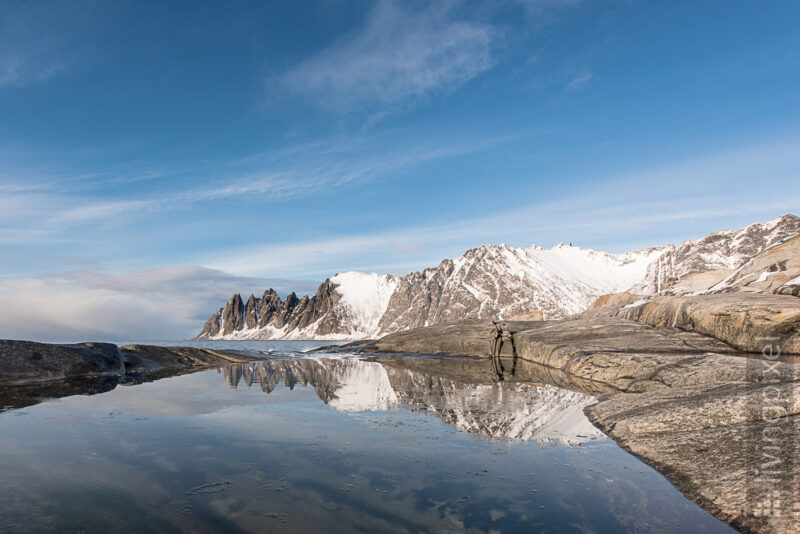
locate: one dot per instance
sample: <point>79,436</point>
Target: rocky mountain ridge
<point>492,281</point>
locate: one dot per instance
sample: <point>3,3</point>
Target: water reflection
<point>509,410</point>
<point>352,451</point>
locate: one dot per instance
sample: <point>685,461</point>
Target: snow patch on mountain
<point>574,277</point>
<point>365,296</point>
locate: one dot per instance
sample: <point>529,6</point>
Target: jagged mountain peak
<point>490,281</point>
<point>344,306</point>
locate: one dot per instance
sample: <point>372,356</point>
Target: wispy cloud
<point>591,222</point>
<point>579,80</point>
<point>19,69</point>
<point>272,176</point>
<point>41,40</point>
<point>397,56</point>
<point>618,212</point>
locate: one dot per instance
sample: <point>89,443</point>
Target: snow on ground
<point>794,282</point>
<point>637,303</point>
<point>764,275</point>
<point>608,273</point>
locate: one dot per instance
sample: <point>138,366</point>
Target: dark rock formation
<point>293,314</point>
<point>183,356</point>
<point>213,325</point>
<point>233,314</point>
<point>30,370</point>
<point>251,313</point>
<point>26,361</point>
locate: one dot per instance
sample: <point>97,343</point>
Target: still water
<point>308,444</point>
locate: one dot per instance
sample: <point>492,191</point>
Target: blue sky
<point>155,158</point>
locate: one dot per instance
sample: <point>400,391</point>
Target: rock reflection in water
<point>469,399</point>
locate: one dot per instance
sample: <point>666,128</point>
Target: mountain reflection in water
<point>354,450</point>
<point>507,410</point>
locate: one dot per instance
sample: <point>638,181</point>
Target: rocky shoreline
<point>30,371</point>
<point>720,423</point>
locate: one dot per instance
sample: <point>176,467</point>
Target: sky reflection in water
<point>361,447</point>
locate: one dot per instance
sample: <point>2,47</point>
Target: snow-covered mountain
<point>346,306</point>
<point>492,281</point>
<point>723,250</point>
<point>503,281</point>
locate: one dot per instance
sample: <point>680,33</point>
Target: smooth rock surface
<point>719,446</point>
<point>184,356</point>
<point>28,362</point>
<point>722,426</point>
<point>747,321</point>
<point>623,355</point>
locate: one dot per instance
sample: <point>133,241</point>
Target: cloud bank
<point>165,303</point>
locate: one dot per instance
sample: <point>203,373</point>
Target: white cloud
<point>397,56</point>
<point>161,303</point>
<point>20,69</point>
